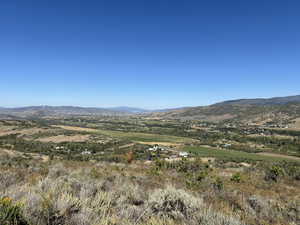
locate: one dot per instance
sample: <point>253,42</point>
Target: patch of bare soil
<point>220,118</point>
<point>11,130</point>
<point>64,138</point>
<point>159,143</point>
<point>13,153</point>
<point>126,146</point>
<point>278,155</point>
<point>76,128</point>
<point>296,125</point>
<point>274,136</point>
<point>200,128</point>
<point>9,152</point>
<point>174,159</point>
<point>228,172</point>
<point>6,130</point>
<point>207,159</point>
<point>179,159</point>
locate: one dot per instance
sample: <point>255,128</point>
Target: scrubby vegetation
<point>183,192</point>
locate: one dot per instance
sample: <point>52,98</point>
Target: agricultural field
<point>133,136</point>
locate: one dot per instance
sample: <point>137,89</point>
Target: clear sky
<point>147,53</point>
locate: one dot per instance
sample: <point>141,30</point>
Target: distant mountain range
<point>126,109</point>
<point>264,101</point>
<point>280,109</point>
<point>242,109</point>
<point>42,111</point>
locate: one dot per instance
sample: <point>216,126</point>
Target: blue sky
<point>151,54</point>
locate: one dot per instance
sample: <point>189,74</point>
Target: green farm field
<point>235,155</point>
<point>132,136</point>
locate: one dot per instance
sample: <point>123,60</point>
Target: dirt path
<point>159,143</point>
<point>126,146</point>
<point>278,155</point>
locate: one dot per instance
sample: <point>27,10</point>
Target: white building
<point>183,154</point>
<point>86,152</point>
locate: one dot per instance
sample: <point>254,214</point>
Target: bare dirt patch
<point>126,146</point>
<point>159,143</point>
<point>200,128</point>
<point>12,130</point>
<point>7,130</point>
<point>296,125</point>
<point>220,118</point>
<point>64,138</point>
<point>13,153</point>
<point>228,172</point>
<point>278,155</point>
<point>76,128</point>
<point>273,136</point>
<point>9,152</point>
<point>207,159</point>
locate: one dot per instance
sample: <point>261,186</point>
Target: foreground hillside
<point>34,192</point>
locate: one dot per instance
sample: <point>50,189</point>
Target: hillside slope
<point>264,101</point>
<point>41,111</point>
<point>278,110</point>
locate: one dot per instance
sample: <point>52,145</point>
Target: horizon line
<point>144,108</point>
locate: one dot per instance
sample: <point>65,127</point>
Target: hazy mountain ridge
<point>241,109</point>
<point>129,109</point>
<point>263,101</point>
<point>40,111</point>
<point>245,110</point>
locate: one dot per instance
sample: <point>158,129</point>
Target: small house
<point>183,154</point>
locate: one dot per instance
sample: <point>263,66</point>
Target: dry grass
<point>278,156</point>
<point>132,136</point>
<point>7,130</point>
<point>64,138</point>
<point>80,129</point>
<point>67,196</point>
<point>85,193</point>
<point>12,153</point>
<point>296,125</point>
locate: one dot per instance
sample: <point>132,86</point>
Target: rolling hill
<point>41,111</point>
<point>264,101</point>
<point>127,109</point>
<point>279,110</point>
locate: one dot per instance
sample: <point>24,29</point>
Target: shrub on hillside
<point>273,173</point>
<point>174,203</point>
<point>211,217</point>
<point>10,213</point>
<point>237,178</point>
